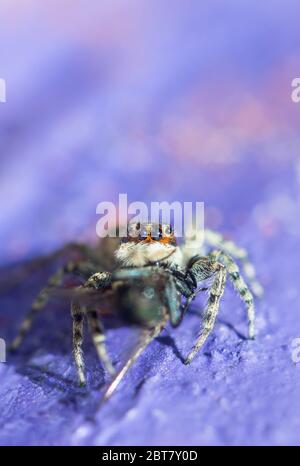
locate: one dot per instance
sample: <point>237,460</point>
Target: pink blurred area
<point>161,100</point>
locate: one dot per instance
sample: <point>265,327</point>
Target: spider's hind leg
<point>241,287</point>
<point>216,240</point>
<point>38,304</point>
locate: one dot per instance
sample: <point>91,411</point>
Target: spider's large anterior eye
<point>166,231</point>
<point>155,231</point>
<point>134,229</point>
<point>144,231</point>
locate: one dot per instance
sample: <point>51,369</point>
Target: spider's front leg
<point>97,281</point>
<point>147,336</point>
<point>204,268</point>
<point>240,286</point>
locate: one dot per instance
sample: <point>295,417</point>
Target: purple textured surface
<point>235,392</point>
<point>188,104</point>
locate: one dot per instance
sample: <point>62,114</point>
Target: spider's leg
<point>171,294</point>
<point>216,240</point>
<point>34,264</point>
<point>146,338</point>
<point>211,311</point>
<point>43,297</point>
<point>241,287</point>
<point>78,318</point>
<point>97,332</point>
<point>199,268</point>
<point>37,306</point>
<point>96,281</point>
<point>250,274</point>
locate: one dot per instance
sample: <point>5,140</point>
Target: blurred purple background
<point>187,101</point>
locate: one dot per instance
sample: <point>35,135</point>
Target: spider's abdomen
<point>141,300</point>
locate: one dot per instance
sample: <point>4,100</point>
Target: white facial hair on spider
<point>147,247</point>
<point>144,253</point>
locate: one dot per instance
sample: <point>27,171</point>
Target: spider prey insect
<point>155,282</point>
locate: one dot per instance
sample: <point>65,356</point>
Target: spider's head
<point>148,243</point>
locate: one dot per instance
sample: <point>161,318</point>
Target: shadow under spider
<point>41,375</point>
<point>168,340</point>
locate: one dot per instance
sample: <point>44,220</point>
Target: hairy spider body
<point>154,283</point>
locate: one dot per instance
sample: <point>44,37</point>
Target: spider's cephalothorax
<point>154,281</point>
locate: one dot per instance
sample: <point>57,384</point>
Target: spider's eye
<point>166,231</point>
<point>155,231</point>
<point>143,232</point>
<point>134,229</point>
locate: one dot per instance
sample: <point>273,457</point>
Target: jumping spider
<point>154,282</point>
